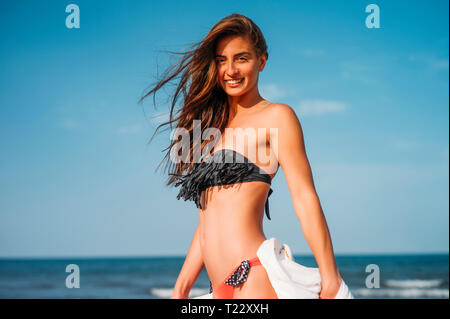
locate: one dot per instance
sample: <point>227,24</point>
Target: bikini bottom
<point>289,279</point>
<point>225,290</point>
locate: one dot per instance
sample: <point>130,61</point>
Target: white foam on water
<point>401,293</point>
<point>414,283</point>
<point>167,292</point>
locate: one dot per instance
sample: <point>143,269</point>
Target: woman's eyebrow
<point>237,54</point>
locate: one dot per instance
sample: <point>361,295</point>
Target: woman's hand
<point>330,290</point>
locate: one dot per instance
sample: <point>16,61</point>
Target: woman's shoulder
<point>280,112</point>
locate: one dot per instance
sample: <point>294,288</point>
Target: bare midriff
<point>231,226</point>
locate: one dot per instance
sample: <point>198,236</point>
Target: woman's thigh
<point>257,286</point>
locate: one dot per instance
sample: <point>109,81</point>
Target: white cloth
<point>289,279</point>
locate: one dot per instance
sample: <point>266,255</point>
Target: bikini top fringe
<point>223,167</point>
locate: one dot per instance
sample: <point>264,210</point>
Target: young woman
<point>219,82</point>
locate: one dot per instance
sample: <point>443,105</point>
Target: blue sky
<point>78,178</point>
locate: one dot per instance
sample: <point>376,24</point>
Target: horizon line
<point>4,258</point>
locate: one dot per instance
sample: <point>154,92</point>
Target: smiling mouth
<point>234,82</point>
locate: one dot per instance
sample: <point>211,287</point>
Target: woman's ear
<point>263,59</point>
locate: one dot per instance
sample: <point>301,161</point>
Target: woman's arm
<point>292,158</point>
<point>192,267</point>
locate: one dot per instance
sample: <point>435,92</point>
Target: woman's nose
<point>231,69</point>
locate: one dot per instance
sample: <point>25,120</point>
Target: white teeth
<point>233,82</point>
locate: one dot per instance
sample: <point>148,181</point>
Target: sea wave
<point>414,283</point>
<point>401,293</point>
<point>167,292</point>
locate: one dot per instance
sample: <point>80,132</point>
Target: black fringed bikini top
<point>223,167</point>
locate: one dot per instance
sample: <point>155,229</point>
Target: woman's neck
<point>243,104</point>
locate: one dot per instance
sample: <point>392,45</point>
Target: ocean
<point>400,276</point>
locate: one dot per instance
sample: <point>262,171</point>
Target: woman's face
<point>238,66</point>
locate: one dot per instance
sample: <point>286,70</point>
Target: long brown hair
<point>203,97</point>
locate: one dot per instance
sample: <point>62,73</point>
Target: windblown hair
<point>203,97</point>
